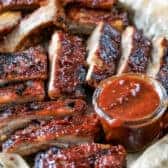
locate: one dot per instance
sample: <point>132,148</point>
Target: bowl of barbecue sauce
<point>130,107</point>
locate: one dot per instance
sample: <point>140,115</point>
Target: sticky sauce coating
<point>128,98</point>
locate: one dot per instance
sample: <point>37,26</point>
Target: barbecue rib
<point>103,53</point>
<point>136,52</point>
<point>13,117</point>
<point>158,67</point>
<point>82,20</point>
<point>83,156</point>
<point>40,18</point>
<point>71,130</point>
<point>27,65</point>
<point>22,92</point>
<point>19,4</point>
<point>101,4</point>
<point>8,21</point>
<point>67,63</point>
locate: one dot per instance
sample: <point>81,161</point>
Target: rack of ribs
<point>83,20</point>
<point>67,66</point>
<point>8,21</point>
<point>103,53</point>
<point>136,52</point>
<point>21,66</point>
<point>22,92</point>
<point>7,5</point>
<point>16,116</point>
<point>70,130</point>
<point>85,155</point>
<point>40,18</point>
<point>101,4</point>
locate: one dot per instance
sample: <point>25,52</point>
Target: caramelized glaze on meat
<point>39,19</point>
<point>85,156</point>
<point>84,20</point>
<point>136,52</point>
<point>14,116</point>
<point>67,71</point>
<point>102,4</point>
<point>103,53</point>
<point>71,130</point>
<point>162,75</point>
<point>19,4</point>
<point>158,67</point>
<point>26,65</point>
<point>22,92</point>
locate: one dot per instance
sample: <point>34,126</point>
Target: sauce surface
<point>128,98</point>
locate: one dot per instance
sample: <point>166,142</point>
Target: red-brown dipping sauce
<point>131,108</point>
<point>128,98</point>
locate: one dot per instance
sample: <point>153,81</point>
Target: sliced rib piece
<point>8,21</point>
<point>84,155</point>
<point>22,92</point>
<point>158,67</point>
<point>101,4</point>
<point>13,117</point>
<point>40,18</point>
<point>71,130</point>
<point>136,52</point>
<point>103,53</point>
<point>19,4</point>
<point>27,65</point>
<point>160,61</point>
<point>67,65</point>
<point>83,20</point>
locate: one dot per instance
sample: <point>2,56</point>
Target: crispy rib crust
<point>19,4</point>
<point>71,130</point>
<point>27,65</point>
<point>13,117</point>
<point>84,155</point>
<point>39,19</point>
<point>101,4</point>
<point>22,92</point>
<point>67,70</point>
<point>162,75</point>
<point>103,53</point>
<point>84,20</point>
<point>136,52</point>
<point>8,21</point>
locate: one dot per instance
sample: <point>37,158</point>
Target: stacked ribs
<point>43,98</point>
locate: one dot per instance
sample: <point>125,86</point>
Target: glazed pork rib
<point>22,92</point>
<point>67,66</point>
<point>83,20</point>
<point>8,21</point>
<point>136,52</point>
<point>103,53</point>
<point>21,66</point>
<point>13,117</point>
<point>84,155</point>
<point>71,130</point>
<point>19,4</point>
<point>158,68</point>
<point>40,18</point>
<point>101,4</point>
